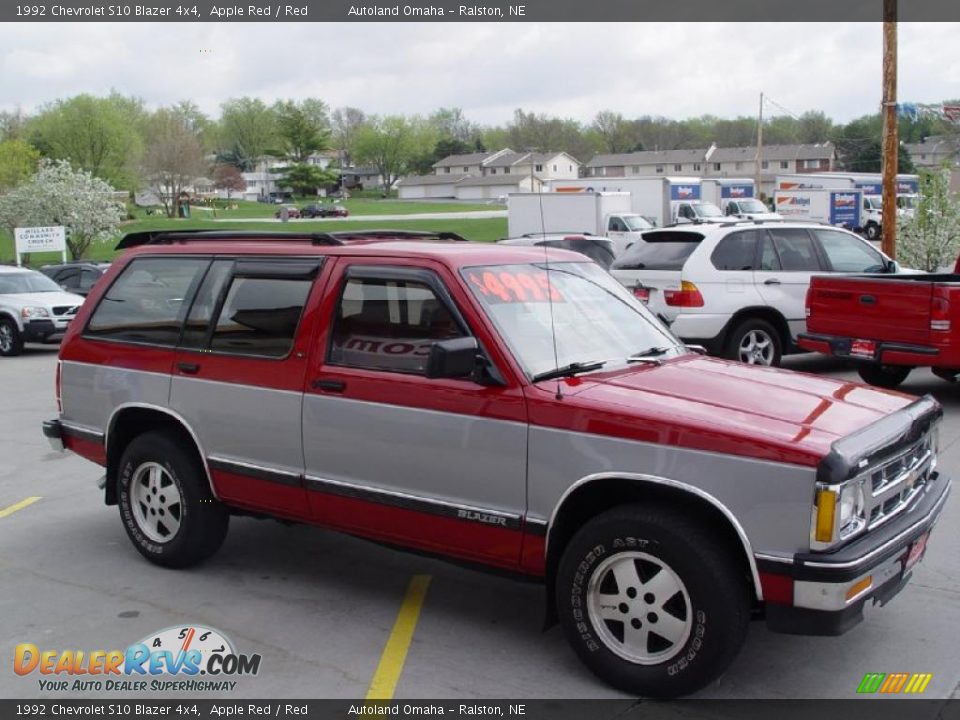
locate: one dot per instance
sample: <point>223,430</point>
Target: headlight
<point>838,514</point>
<point>34,312</point>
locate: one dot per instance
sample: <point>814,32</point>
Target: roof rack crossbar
<point>159,237</point>
<point>399,234</point>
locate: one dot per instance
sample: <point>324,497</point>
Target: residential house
<point>648,163</point>
<point>546,166</point>
<point>492,187</point>
<point>937,151</point>
<point>362,177</point>
<point>415,187</point>
<point>466,164</point>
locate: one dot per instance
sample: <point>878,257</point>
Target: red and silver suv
<point>512,407</point>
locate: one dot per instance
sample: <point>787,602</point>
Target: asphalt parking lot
<point>319,607</point>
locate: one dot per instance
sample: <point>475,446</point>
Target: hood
<point>716,405</point>
<point>44,299</point>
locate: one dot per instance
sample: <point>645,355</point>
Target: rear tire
<point>885,376</point>
<point>165,502</point>
<point>754,342</point>
<point>11,343</point>
<point>637,571</point>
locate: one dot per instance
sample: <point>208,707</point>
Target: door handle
<point>868,300</point>
<point>336,386</point>
<point>771,281</point>
<point>188,368</point>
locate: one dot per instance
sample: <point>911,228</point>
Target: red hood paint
<point>718,406</point>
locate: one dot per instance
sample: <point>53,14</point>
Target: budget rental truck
<point>661,200</point>
<point>590,213</point>
<point>834,207</point>
<point>736,197</point>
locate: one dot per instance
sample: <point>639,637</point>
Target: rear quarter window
<point>662,250</point>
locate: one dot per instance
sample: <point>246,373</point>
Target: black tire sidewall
<point>745,326</point>
<point>719,604</point>
<point>202,521</point>
<point>884,376</point>
<point>17,345</point>
<point>872,231</point>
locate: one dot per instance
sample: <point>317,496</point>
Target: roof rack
<point>412,234</point>
<point>165,237</point>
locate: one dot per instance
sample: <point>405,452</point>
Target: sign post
<point>41,239</point>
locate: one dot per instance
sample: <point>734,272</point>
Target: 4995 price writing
<point>105,11</point>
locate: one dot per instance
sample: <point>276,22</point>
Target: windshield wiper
<point>650,355</point>
<point>570,370</point>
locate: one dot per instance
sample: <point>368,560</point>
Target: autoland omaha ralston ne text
<point>432,11</point>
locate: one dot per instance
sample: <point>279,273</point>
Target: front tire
<point>11,343</point>
<point>885,376</point>
<point>872,231</point>
<point>651,602</point>
<point>165,502</point>
<point>755,342</point>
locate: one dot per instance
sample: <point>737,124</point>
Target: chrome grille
<point>61,310</point>
<point>890,486</point>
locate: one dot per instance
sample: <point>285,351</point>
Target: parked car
<point>482,404</point>
<point>76,277</point>
<point>322,211</point>
<point>33,308</point>
<point>599,249</point>
<point>292,211</point>
<point>738,288</point>
<point>887,324</point>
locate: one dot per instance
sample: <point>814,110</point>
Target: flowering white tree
<point>930,239</point>
<point>60,195</point>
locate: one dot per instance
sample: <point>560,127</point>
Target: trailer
<point>834,207</point>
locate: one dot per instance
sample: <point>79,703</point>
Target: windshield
<point>752,205</point>
<point>594,317</point>
<point>635,222</point>
<point>27,282</point>
<point>707,210</point>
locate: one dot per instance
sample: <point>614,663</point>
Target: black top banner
<point>514,11</point>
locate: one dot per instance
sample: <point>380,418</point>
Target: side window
<point>201,312</point>
<point>69,278</point>
<point>848,254</point>
<point>616,225</point>
<point>769,260</point>
<point>736,251</point>
<point>260,316</point>
<point>389,325</point>
<point>88,278</point>
<point>795,248</point>
<point>148,301</point>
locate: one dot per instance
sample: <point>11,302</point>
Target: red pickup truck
<point>889,324</point>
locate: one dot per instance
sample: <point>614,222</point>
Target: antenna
<point>546,262</point>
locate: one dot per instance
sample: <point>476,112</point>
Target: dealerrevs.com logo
<point>173,659</point>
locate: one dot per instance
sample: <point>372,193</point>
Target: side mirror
<point>455,358</point>
<point>893,267</point>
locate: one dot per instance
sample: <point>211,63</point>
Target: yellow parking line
<point>18,506</point>
<point>395,653</point>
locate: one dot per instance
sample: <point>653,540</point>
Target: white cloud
<point>573,70</point>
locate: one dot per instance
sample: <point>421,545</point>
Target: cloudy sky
<point>572,70</point>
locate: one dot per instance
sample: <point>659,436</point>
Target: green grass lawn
<point>485,230</point>
<point>360,206</point>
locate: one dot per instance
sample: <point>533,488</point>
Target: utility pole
<point>890,135</point>
<point>759,159</point>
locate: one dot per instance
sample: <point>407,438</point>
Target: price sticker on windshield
<point>513,286</point>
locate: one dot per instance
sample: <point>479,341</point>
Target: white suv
<point>33,308</point>
<point>739,288</point>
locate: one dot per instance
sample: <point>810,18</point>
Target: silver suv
<point>33,308</point>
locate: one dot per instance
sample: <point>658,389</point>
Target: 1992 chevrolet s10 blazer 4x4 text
<point>512,407</point>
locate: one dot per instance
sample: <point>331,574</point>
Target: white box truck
<point>825,205</point>
<point>663,200</point>
<point>590,213</point>
<point>736,197</point>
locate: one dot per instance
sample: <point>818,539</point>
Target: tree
<point>229,178</point>
<point>174,158</point>
<point>59,195</point>
<point>248,132</point>
<point>452,124</point>
<point>101,135</point>
<point>304,178</point>
<point>930,239</point>
<point>18,161</point>
<point>613,132</point>
<point>389,145</point>
<point>303,129</point>
<point>347,122</point>
<point>12,124</point>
